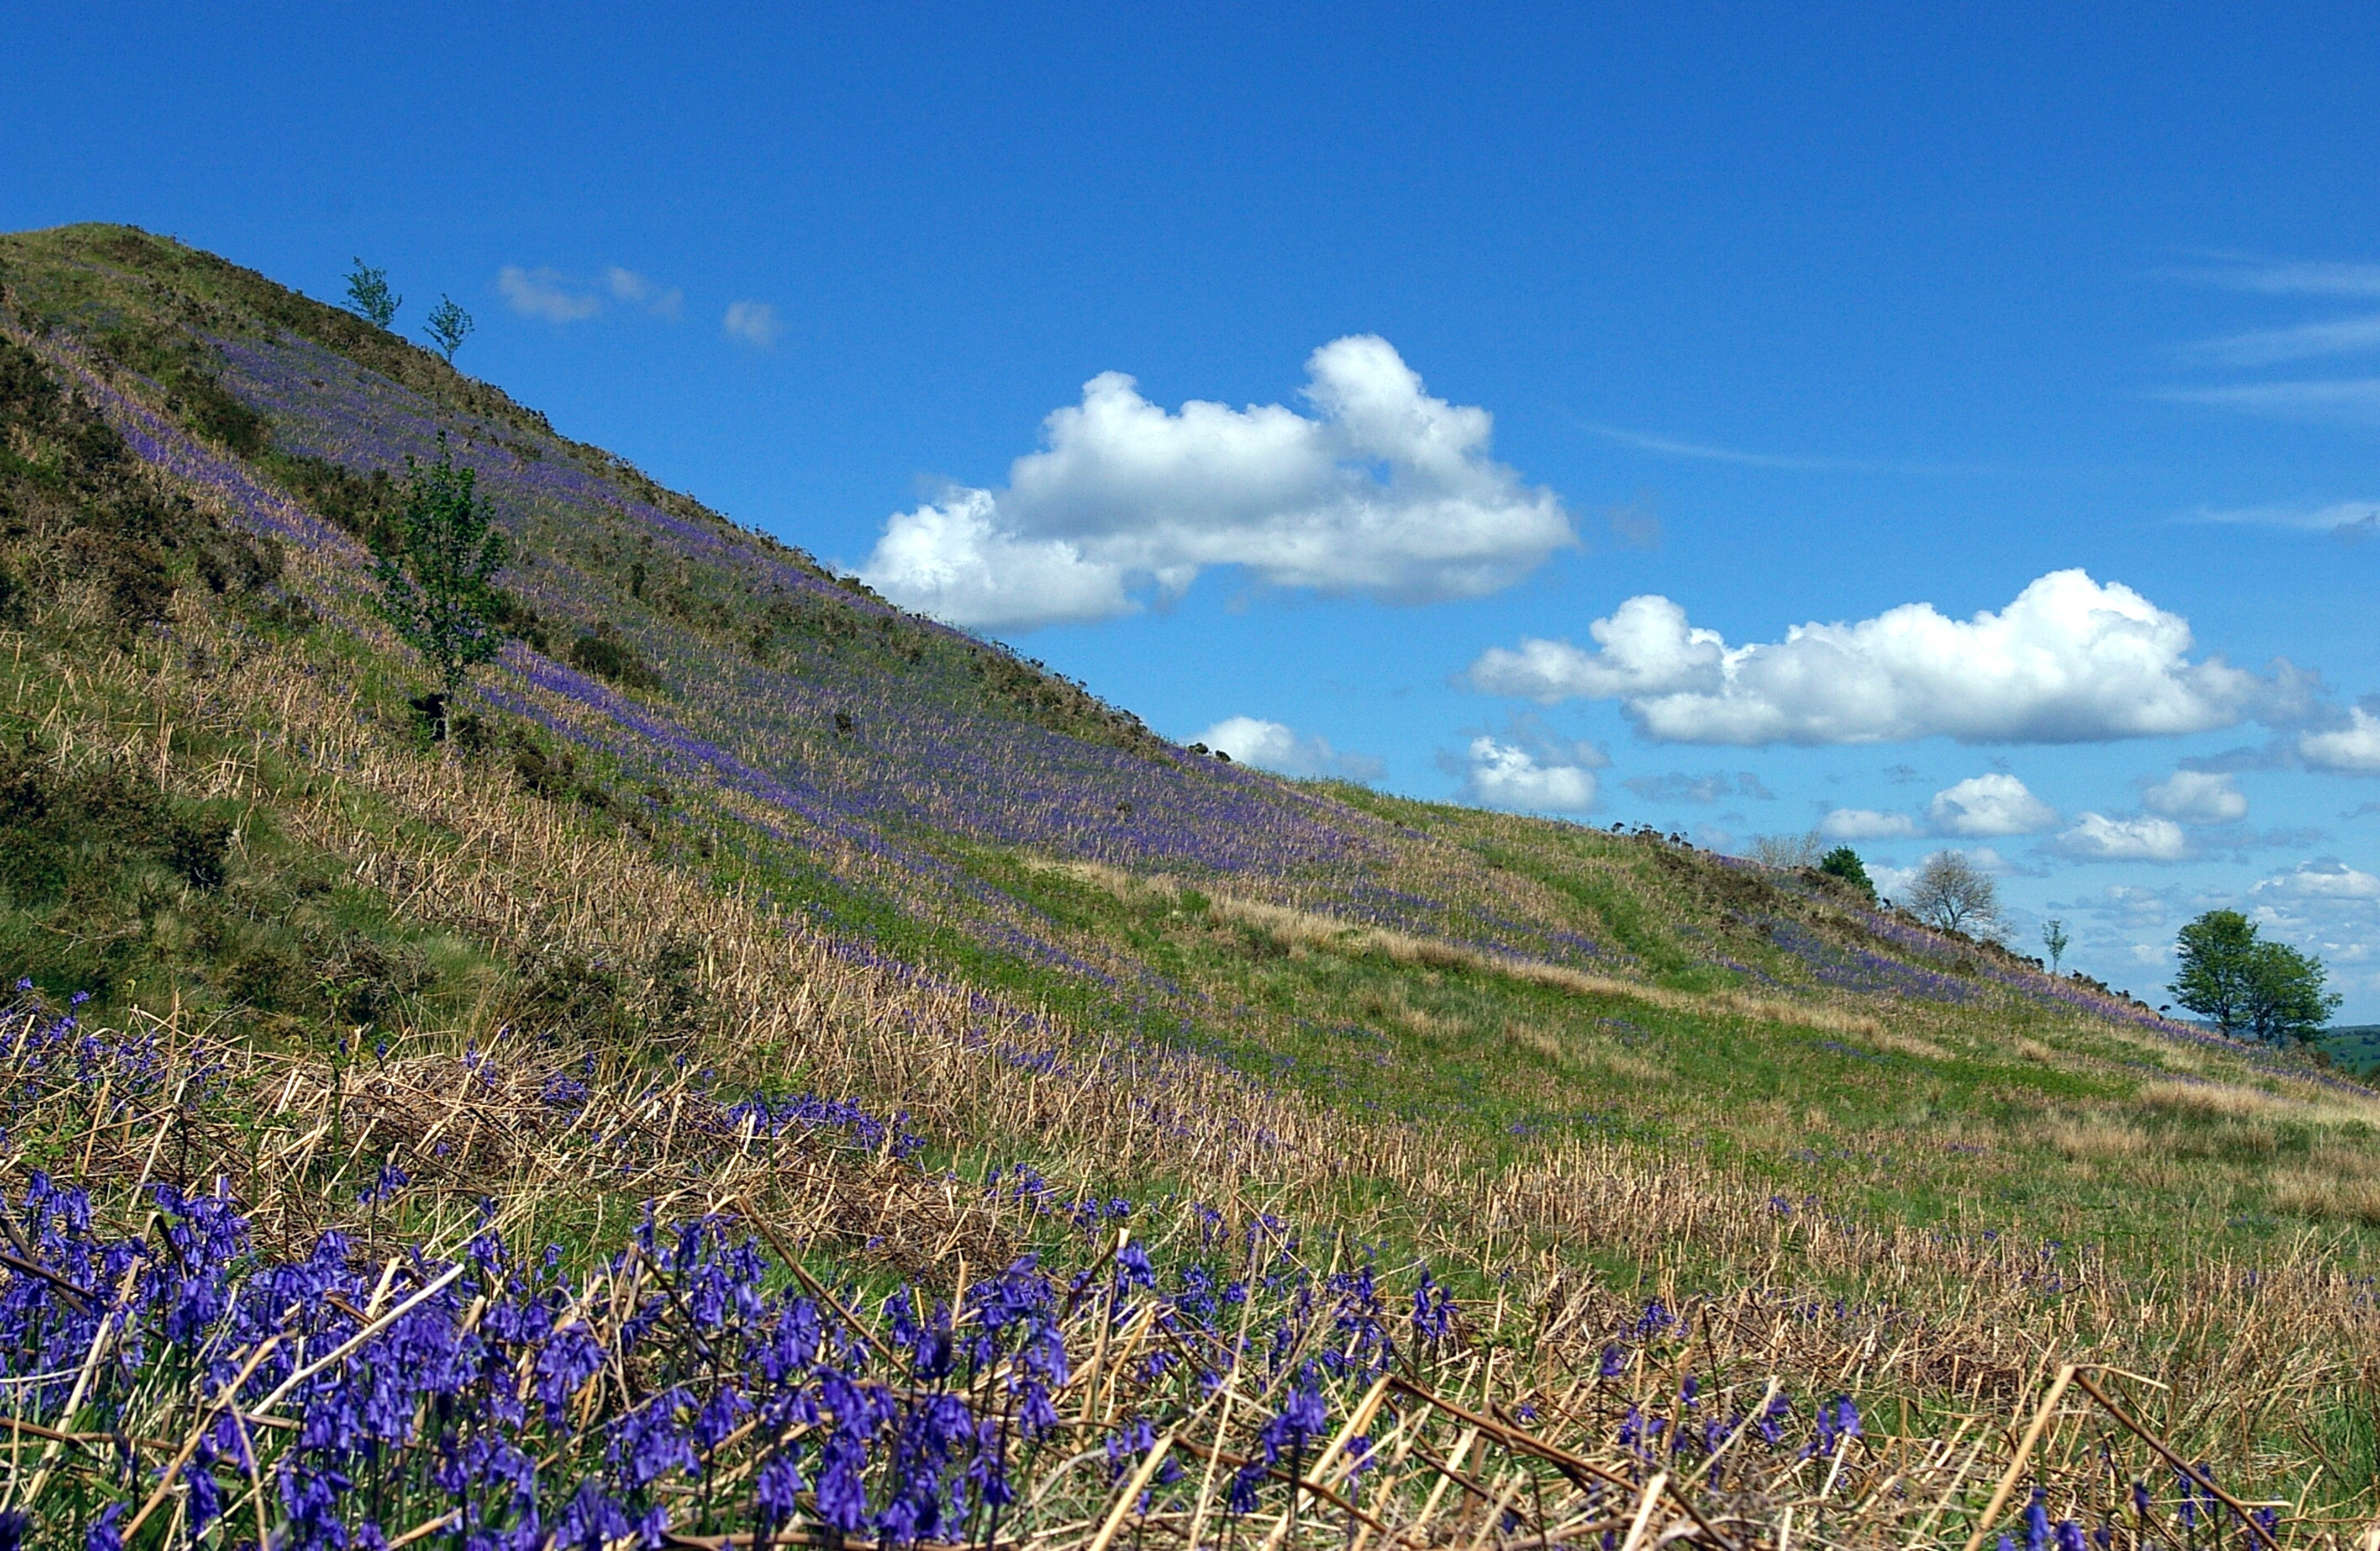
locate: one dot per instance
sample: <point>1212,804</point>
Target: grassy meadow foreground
<point>790,1073</point>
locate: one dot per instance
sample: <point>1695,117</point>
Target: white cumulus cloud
<point>2325,880</point>
<point>2097,838</point>
<point>955,553</point>
<point>2069,660</point>
<point>1273,745</point>
<point>754,322</point>
<point>1866,823</point>
<point>543,293</point>
<point>1646,649</point>
<point>2353,749</point>
<point>1507,776</point>
<point>2197,797</point>
<point>1379,490</point>
<point>1990,804</point>
<point>2321,881</point>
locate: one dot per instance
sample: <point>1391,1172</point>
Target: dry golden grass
<point>2318,1192</point>
<point>1574,1049</point>
<point>785,1008</point>
<point>1966,1325</point>
<point>2285,1101</point>
<point>2097,1137</point>
<point>1907,1045</point>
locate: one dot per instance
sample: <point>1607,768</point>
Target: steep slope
<point>743,886</point>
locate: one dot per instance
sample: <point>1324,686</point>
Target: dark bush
<point>361,979</point>
<point>603,652</point>
<point>200,850</point>
<point>267,976</point>
<point>551,775</point>
<point>132,575</point>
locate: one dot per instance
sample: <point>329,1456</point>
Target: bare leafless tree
<point>1787,852</point>
<point>1953,894</point>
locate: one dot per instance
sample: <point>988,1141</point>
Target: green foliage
<point>449,326</point>
<point>1844,863</point>
<point>2286,1002</point>
<point>437,582</point>
<point>607,654</point>
<point>2055,941</point>
<point>75,508</point>
<point>363,504</point>
<point>2215,980</point>
<point>368,289</point>
<point>194,395</point>
<point>2250,987</point>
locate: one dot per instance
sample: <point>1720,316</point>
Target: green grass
<point>132,871</point>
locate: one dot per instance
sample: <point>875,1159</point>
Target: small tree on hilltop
<point>1953,894</point>
<point>368,290</point>
<point>2055,941</point>
<point>1844,863</point>
<point>449,326</point>
<point>438,580</point>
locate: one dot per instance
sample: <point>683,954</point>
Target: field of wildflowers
<point>796,1075</point>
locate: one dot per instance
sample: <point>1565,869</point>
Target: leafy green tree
<point>1844,863</point>
<point>2287,1004</point>
<point>2248,986</point>
<point>438,579</point>
<point>368,290</point>
<point>2054,938</point>
<point>2216,978</point>
<point>449,326</point>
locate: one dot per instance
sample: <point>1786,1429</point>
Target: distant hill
<point>746,902</point>
<point>2352,1047</point>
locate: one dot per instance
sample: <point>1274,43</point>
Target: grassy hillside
<point>1362,1168</point>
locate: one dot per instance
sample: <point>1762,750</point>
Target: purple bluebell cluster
<point>1864,970</point>
<point>856,749</point>
<point>495,1403</point>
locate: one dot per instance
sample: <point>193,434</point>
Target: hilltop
<point>743,897</point>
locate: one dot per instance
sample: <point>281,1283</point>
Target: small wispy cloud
<point>1681,786</point>
<point>2336,336</point>
<point>2340,519</point>
<point>2354,399</point>
<point>637,290</point>
<point>754,322</point>
<point>2350,400</point>
<point>558,298</point>
<point>2287,278</point>
<point>1706,451</point>
<point>547,294</point>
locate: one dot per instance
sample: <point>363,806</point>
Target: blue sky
<point>1778,316</point>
